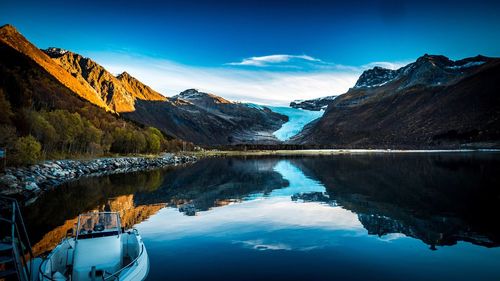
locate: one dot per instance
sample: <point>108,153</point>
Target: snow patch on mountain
<point>313,104</point>
<point>376,77</point>
<point>190,94</point>
<point>55,52</point>
<point>467,65</point>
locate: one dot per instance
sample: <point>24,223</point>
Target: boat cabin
<point>98,246</point>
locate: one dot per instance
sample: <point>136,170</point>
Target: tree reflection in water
<point>437,198</point>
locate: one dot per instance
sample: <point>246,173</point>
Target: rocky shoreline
<point>28,182</point>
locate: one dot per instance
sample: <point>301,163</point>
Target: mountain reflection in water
<point>318,205</point>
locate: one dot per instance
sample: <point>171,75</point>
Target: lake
<point>430,216</point>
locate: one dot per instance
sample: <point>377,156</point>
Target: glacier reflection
<point>346,217</point>
<point>255,219</point>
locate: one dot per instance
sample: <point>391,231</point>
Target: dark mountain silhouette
<point>433,102</point>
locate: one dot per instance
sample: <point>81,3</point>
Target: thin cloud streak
<point>272,59</point>
<point>262,86</point>
<point>385,64</point>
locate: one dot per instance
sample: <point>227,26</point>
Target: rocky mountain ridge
<point>9,36</point>
<point>139,89</point>
<point>428,70</point>
<point>208,119</point>
<point>313,104</point>
<point>433,102</point>
<point>119,93</point>
<point>196,97</point>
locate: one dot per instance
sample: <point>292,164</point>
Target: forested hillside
<point>42,118</point>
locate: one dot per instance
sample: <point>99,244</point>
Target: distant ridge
<point>208,119</point>
<point>313,104</point>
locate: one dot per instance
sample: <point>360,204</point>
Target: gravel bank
<point>27,182</point>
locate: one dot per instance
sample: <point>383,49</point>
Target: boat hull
<point>57,264</point>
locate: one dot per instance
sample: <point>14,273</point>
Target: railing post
<point>92,273</point>
<point>19,241</point>
<point>25,232</point>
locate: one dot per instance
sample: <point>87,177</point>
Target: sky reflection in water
<point>265,213</point>
<point>271,236</point>
<point>346,217</point>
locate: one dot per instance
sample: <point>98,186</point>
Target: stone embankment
<point>27,182</point>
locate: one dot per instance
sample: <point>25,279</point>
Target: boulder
<point>31,186</point>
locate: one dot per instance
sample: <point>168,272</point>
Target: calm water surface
<point>363,217</point>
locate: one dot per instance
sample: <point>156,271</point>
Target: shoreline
<point>319,152</point>
<point>29,182</point>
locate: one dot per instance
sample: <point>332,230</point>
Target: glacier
<point>297,119</point>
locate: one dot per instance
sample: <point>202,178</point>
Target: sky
<point>267,52</point>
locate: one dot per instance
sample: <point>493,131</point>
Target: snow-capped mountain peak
<point>375,77</point>
<point>55,52</point>
<point>428,70</point>
<point>313,104</point>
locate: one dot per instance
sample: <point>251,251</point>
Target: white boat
<point>99,250</point>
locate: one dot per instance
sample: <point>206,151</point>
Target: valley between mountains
<point>433,102</point>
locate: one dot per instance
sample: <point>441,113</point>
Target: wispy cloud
<point>264,85</point>
<point>272,60</point>
<point>386,64</point>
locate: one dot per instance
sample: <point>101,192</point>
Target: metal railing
<point>21,246</point>
<point>44,276</point>
<point>115,275</point>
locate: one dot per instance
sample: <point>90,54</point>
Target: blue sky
<point>260,51</point>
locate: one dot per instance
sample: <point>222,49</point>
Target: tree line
<point>30,134</point>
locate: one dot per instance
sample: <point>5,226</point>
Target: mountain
<point>53,78</point>
<point>209,102</point>
<point>191,115</point>
<point>208,119</point>
<point>118,93</point>
<point>428,70</point>
<point>198,117</point>
<point>138,89</point>
<point>376,76</point>
<point>34,101</point>
<point>11,38</point>
<point>30,79</point>
<point>433,102</point>
<point>313,104</point>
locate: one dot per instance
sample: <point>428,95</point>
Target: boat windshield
<point>94,225</point>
